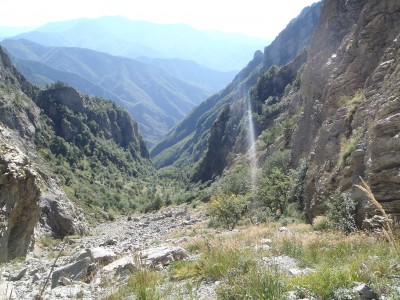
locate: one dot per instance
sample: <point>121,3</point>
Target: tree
<point>227,210</point>
<point>275,191</point>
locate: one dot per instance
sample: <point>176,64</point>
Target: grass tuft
<point>388,230</point>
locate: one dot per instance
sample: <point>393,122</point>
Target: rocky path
<point>92,266</point>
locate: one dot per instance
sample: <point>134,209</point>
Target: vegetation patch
<point>348,146</point>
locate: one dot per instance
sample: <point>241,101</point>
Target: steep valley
<point>309,210</point>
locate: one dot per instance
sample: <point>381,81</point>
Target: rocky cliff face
<point>25,188</point>
<point>342,95</point>
<point>19,201</point>
<point>63,105</point>
<point>349,127</point>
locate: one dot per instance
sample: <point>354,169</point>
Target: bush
<point>320,223</point>
<point>237,181</point>
<point>227,210</point>
<point>153,205</point>
<point>280,160</point>
<point>341,211</point>
<point>255,284</point>
<point>275,191</point>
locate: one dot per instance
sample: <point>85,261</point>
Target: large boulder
<point>59,217</point>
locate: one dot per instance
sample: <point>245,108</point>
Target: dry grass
<point>338,259</point>
<point>388,230</point>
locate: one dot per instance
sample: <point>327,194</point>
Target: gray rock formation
<point>74,271</point>
<point>19,202</point>
<point>355,48</point>
<point>161,256</point>
<point>59,217</point>
<point>27,192</point>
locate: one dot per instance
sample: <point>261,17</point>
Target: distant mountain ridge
<point>156,98</point>
<point>191,71</point>
<point>123,37</point>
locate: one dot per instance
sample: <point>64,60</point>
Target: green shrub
<point>237,181</point>
<point>352,103</point>
<point>227,210</point>
<point>141,284</point>
<point>279,159</point>
<point>341,211</point>
<point>153,205</point>
<point>320,223</point>
<point>254,284</point>
<point>275,191</point>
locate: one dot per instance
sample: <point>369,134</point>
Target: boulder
<point>102,255</point>
<point>74,271</point>
<point>59,217</point>
<point>366,292</point>
<point>124,264</point>
<point>375,223</point>
<point>18,275</point>
<point>163,255</point>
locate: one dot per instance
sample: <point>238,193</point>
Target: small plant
<point>352,103</point>
<point>255,284</point>
<point>320,223</point>
<point>345,294</point>
<point>228,210</point>
<point>144,283</point>
<point>348,145</point>
<point>141,284</point>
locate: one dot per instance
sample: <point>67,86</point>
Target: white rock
<point>126,263</point>
<point>7,291</point>
<point>102,255</point>
<point>266,241</point>
<point>163,255</point>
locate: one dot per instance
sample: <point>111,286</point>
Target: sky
<point>257,18</point>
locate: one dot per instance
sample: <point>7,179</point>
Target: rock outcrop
<point>19,202</point>
<point>350,90</point>
<point>343,98</point>
<point>115,123</point>
<point>29,196</point>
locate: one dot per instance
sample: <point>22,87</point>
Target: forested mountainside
<point>123,37</point>
<point>188,141</point>
<point>156,97</point>
<point>331,104</point>
<point>92,145</point>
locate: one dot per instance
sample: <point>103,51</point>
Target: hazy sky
<point>252,17</point>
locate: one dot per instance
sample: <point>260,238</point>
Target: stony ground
<point>96,265</point>
<point>92,266</point>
